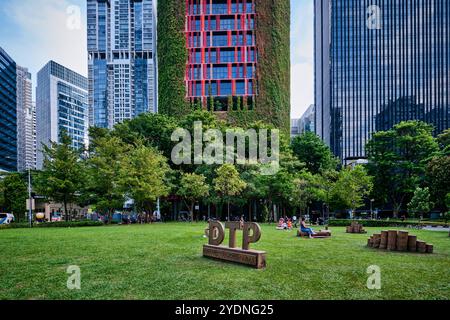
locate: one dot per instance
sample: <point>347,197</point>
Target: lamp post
<point>371,208</point>
<point>30,209</point>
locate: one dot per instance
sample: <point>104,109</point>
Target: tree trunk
<point>228,208</point>
<point>192,211</point>
<point>65,210</point>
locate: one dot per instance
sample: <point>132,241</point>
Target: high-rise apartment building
<point>234,56</point>
<point>61,105</point>
<point>8,113</point>
<point>26,122</point>
<point>378,63</point>
<point>122,60</point>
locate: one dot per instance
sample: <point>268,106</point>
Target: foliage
<point>420,203</point>
<point>351,187</point>
<point>228,183</point>
<point>172,57</point>
<point>103,169</point>
<point>62,175</point>
<point>444,142</point>
<point>13,195</point>
<point>398,159</point>
<point>273,69</point>
<point>155,130</point>
<point>143,177</point>
<point>382,223</point>
<point>438,179</point>
<point>312,151</point>
<point>58,224</point>
<point>192,188</point>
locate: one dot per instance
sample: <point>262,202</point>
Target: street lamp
<point>30,209</point>
<point>371,207</point>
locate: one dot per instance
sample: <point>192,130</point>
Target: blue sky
<point>36,31</point>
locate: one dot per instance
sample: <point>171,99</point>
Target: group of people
<point>288,224</point>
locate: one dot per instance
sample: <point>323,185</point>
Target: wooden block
<point>370,243</point>
<point>402,241</point>
<point>384,239</point>
<point>412,243</point>
<point>322,234</point>
<point>349,229</point>
<point>253,258</point>
<point>430,248</point>
<point>421,247</point>
<point>376,240</point>
<point>392,240</point>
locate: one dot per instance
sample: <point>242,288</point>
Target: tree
<point>228,183</point>
<point>438,179</point>
<point>193,187</point>
<point>444,142</point>
<point>104,175</point>
<point>154,130</point>
<point>13,195</point>
<point>143,177</point>
<point>305,191</point>
<point>398,160</point>
<point>351,187</point>
<point>62,175</point>
<point>312,151</point>
<point>420,203</point>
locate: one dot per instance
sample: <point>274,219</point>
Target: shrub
<point>60,224</point>
<point>381,223</point>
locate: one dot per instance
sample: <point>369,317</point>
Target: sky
<point>34,32</point>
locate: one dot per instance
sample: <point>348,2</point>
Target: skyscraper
<point>61,105</point>
<point>238,59</point>
<point>26,122</point>
<point>378,63</point>
<point>122,60</point>
<point>8,113</point>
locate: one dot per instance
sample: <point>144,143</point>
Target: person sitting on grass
<point>305,229</point>
<point>289,224</point>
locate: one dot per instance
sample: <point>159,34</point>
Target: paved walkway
<point>436,229</point>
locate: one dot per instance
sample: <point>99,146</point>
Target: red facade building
<point>222,50</point>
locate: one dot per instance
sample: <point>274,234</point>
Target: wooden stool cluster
<point>355,227</point>
<point>394,240</point>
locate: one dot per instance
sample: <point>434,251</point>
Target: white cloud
<point>45,33</point>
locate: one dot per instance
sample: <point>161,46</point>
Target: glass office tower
<point>122,60</point>
<point>378,63</point>
<point>8,113</point>
<point>26,122</point>
<point>222,51</point>
<point>61,105</point>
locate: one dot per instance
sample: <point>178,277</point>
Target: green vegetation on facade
<point>172,57</point>
<point>273,73</point>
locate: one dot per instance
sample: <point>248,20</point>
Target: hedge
<point>60,224</point>
<point>383,223</point>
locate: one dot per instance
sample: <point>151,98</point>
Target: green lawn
<point>164,261</point>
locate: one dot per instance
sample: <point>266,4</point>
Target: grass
<point>164,261</point>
